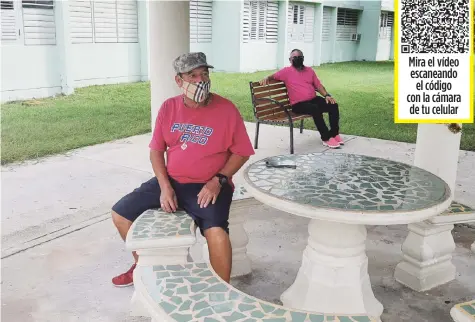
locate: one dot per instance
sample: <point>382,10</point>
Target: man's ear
<point>178,81</point>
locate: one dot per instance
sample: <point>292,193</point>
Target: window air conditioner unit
<point>355,37</point>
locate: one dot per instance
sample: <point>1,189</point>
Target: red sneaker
<point>339,139</point>
<point>332,143</point>
<point>125,279</point>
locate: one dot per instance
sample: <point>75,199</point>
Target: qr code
<point>435,26</point>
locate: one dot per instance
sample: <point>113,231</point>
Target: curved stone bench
<point>427,250</point>
<point>194,292</point>
<point>463,312</point>
<point>165,238</point>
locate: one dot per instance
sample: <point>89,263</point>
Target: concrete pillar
<point>63,45</point>
<point>333,34</point>
<point>437,151</point>
<point>169,38</point>
<point>283,52</point>
<point>427,250</point>
<point>144,36</point>
<point>318,30</point>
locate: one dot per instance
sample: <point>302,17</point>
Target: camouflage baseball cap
<point>187,62</point>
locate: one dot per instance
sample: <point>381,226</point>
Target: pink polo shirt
<point>301,85</point>
<point>199,142</point>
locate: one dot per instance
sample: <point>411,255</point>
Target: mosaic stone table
<point>463,312</point>
<point>341,193</point>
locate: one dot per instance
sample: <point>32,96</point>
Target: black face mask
<point>297,61</point>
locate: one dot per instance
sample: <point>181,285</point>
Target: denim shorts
<point>147,196</point>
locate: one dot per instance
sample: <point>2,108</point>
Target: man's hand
<point>168,201</point>
<point>264,81</point>
<point>330,100</point>
<point>209,193</point>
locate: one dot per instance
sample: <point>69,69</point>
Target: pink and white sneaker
<point>339,139</point>
<point>332,143</point>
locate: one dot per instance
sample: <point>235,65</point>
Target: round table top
<point>348,188</point>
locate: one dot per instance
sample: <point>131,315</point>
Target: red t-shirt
<point>301,85</point>
<point>199,141</point>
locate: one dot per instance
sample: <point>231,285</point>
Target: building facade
<point>51,47</point>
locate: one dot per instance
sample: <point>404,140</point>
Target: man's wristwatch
<point>222,179</point>
<point>328,95</point>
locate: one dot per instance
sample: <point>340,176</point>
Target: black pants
<point>316,107</point>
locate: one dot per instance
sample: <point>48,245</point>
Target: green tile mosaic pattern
<point>155,223</point>
<point>349,182</point>
<point>467,308</point>
<point>192,292</point>
<point>456,208</point>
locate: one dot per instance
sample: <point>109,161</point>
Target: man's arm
<point>235,162</point>
<point>321,89</point>
<point>168,200</point>
<point>157,158</point>
<point>266,80</point>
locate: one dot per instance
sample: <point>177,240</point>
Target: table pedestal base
<point>334,276</point>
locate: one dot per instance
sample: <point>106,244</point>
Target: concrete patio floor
<point>60,249</point>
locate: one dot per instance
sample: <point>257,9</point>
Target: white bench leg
<point>427,257</point>
<point>473,247</point>
<point>137,307</point>
<point>239,240</point>
<point>241,264</point>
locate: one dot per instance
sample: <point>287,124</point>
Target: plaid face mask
<point>197,92</point>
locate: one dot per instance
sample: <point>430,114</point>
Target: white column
<point>333,27</point>
<point>283,52</point>
<point>144,38</point>
<point>169,38</point>
<point>427,250</point>
<point>63,45</point>
<point>318,30</point>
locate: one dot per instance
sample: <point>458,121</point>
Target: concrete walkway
<point>60,250</point>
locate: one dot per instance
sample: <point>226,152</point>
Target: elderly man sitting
<point>301,82</point>
<point>206,143</point>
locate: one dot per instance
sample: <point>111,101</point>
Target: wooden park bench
<point>194,292</point>
<point>271,106</point>
<point>463,312</point>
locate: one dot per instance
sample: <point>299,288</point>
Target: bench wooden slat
<point>273,107</point>
<point>274,93</point>
<point>265,88</point>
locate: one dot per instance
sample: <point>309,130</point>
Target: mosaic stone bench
<point>428,248</point>
<point>463,312</point>
<point>193,292</point>
<point>159,237</point>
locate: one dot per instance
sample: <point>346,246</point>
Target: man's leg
<point>312,108</point>
<point>213,223</point>
<point>124,213</point>
<point>220,252</point>
<point>123,225</point>
<point>334,116</point>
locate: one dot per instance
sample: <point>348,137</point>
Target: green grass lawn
<point>364,91</point>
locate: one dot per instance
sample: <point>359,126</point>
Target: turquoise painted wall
<point>226,35</point>
<point>369,29</point>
